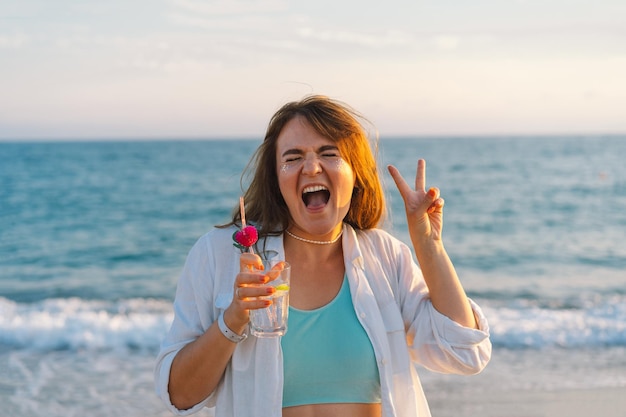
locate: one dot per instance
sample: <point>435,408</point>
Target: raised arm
<point>424,212</point>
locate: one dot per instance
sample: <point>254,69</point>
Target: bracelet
<point>229,334</point>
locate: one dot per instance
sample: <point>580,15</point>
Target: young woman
<point>362,313</point>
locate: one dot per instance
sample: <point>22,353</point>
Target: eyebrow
<point>321,149</point>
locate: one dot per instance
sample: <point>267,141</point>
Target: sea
<point>93,236</point>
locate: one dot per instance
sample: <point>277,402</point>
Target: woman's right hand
<point>249,286</point>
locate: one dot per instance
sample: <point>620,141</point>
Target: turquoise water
<point>93,235</point>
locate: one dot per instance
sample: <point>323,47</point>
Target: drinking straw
<point>242,211</point>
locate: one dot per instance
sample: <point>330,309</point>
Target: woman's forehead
<point>298,133</point>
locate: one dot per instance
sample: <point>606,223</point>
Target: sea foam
<point>77,324</point>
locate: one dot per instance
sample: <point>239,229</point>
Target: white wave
<point>524,325</point>
<point>74,324</point>
<point>78,324</point>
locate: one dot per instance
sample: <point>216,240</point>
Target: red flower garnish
<point>245,237</point>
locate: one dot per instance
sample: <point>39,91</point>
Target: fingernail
<point>270,290</point>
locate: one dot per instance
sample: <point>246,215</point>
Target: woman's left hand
<point>424,209</point>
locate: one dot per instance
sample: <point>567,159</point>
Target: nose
<point>311,165</point>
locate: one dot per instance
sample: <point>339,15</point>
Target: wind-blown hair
<point>264,204</point>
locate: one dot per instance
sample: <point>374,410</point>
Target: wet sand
<point>601,402</point>
<point>543,383</point>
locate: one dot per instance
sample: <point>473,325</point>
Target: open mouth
<point>315,196</point>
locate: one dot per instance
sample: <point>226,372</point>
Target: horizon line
<point>259,138</point>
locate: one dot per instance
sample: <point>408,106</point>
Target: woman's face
<point>314,180</point>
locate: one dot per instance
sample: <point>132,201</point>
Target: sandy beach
<point>547,383</point>
<point>601,402</point>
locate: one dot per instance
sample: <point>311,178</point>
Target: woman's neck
<point>304,252</point>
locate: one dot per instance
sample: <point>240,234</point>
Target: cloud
<point>217,8</point>
<point>15,41</point>
<point>219,24</point>
<point>390,38</point>
<point>446,42</point>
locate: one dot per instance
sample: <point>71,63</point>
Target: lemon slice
<point>282,287</point>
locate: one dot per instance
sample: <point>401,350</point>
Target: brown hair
<point>264,204</point>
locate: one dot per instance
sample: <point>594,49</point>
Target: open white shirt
<point>390,298</point>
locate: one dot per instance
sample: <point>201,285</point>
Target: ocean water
<point>94,234</point>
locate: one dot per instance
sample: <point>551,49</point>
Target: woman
<point>362,312</point>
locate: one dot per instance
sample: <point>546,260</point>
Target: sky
<point>118,69</point>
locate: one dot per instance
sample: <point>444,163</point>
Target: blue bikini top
<point>328,357</point>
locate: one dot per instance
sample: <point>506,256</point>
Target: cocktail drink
<point>272,321</point>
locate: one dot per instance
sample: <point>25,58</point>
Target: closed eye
<point>329,151</point>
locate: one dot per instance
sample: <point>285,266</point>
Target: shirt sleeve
<point>189,323</point>
<point>435,341</point>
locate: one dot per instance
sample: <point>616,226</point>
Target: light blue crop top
<point>328,357</point>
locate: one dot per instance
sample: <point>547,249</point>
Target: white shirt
<point>390,298</point>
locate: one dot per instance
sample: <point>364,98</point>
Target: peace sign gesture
<point>424,209</point>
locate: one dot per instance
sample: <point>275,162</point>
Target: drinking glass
<point>272,320</point>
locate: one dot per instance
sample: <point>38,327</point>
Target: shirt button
<point>383,361</point>
<point>362,315</point>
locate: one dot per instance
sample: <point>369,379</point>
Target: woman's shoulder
<point>220,234</point>
<point>215,239</point>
